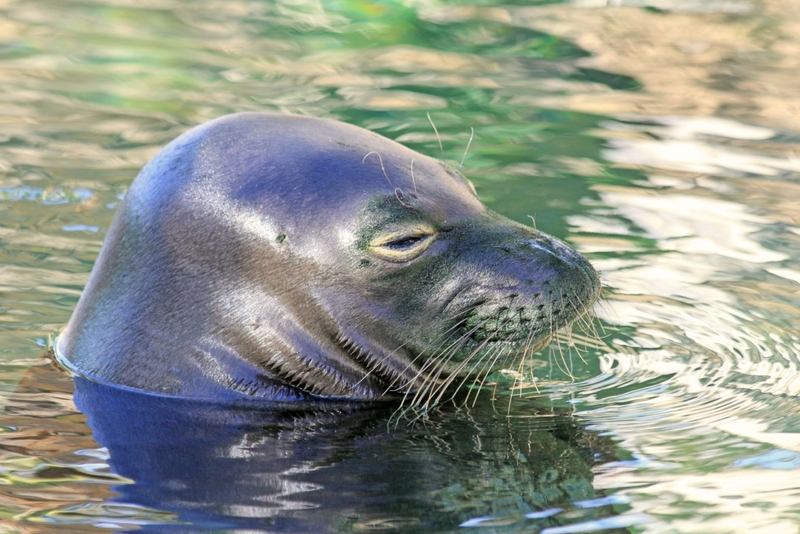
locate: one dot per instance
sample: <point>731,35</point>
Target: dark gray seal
<point>283,257</point>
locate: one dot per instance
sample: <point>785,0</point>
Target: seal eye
<point>403,245</point>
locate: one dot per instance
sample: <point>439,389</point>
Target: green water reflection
<point>660,137</point>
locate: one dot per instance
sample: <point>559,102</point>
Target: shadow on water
<point>191,464</point>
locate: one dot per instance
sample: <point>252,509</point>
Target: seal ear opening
<point>403,245</point>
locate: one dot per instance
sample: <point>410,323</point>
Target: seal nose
<point>568,255</point>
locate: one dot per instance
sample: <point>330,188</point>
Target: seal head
<point>284,257</point>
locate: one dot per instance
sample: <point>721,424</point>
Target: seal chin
<point>279,257</point>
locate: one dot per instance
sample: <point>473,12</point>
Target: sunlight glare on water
<point>718,356</point>
<point>659,137</point>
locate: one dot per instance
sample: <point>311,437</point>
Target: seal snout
<point>527,286</point>
<point>567,266</point>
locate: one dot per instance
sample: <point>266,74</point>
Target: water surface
<point>661,138</point>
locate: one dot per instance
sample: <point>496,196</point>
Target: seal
<point>291,258</point>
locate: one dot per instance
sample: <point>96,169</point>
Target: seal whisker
<point>398,194</point>
<point>438,361</point>
<point>594,323</point>
<point>413,180</point>
<point>567,368</point>
<point>556,347</point>
<point>553,325</point>
<point>497,382</point>
<point>411,383</point>
<point>456,344</point>
<point>607,310</point>
<point>583,322</point>
<point>420,354</point>
<point>490,364</point>
<point>429,380</point>
<point>603,303</point>
<point>419,386</point>
<point>574,346</point>
<point>486,363</point>
<point>525,355</point>
<point>466,149</point>
<point>438,138</point>
<point>452,376</point>
<point>521,371</point>
<point>460,367</point>
<point>385,175</point>
<point>567,332</point>
<point>449,351</point>
<point>373,366</point>
<point>479,379</point>
<point>581,315</point>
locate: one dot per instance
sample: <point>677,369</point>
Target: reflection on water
<point>178,464</point>
<point>661,137</point>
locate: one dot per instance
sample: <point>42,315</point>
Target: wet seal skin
<point>288,258</point>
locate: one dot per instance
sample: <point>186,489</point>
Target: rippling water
<point>660,137</point>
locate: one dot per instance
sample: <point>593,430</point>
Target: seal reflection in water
<point>291,258</point>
